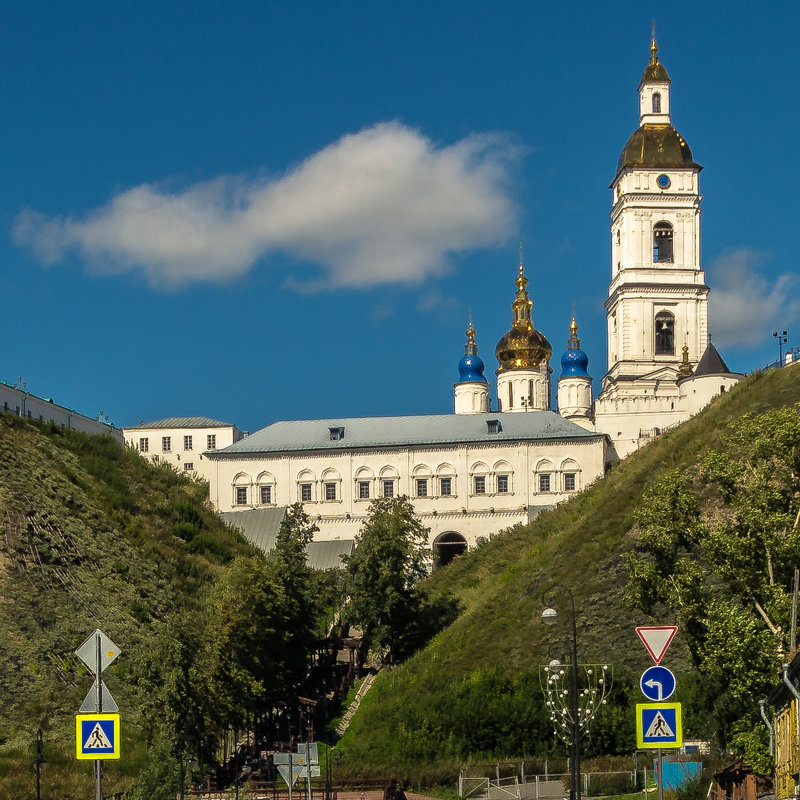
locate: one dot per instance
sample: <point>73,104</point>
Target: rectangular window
<point>330,491</point>
<point>363,490</point>
<point>266,495</point>
<point>544,483</point>
<point>188,465</point>
<point>166,444</point>
<point>446,486</point>
<point>502,484</point>
<point>422,487</point>
<point>187,442</point>
<point>305,492</point>
<point>241,495</point>
<point>569,481</point>
<point>211,441</point>
<point>480,484</point>
<point>388,488</point>
<point>144,445</point>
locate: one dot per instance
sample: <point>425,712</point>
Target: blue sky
<point>261,211</point>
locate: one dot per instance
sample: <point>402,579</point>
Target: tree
<point>389,558</point>
<point>717,546</point>
<point>291,572</point>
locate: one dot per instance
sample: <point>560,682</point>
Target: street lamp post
<point>782,338</point>
<point>550,617</point>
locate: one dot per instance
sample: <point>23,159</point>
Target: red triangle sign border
<point>656,632</point>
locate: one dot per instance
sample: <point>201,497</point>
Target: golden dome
<point>654,72</point>
<point>656,146</point>
<point>523,346</point>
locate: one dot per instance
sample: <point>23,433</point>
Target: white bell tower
<point>658,299</point>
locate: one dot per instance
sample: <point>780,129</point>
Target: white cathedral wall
<point>634,423</point>
<point>466,511</point>
<point>471,398</point>
<point>697,393</point>
<point>178,456</point>
<point>522,390</point>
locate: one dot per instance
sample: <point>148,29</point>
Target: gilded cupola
<point>523,347</point>
<point>655,143</point>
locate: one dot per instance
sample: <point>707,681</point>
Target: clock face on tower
<point>663,181</point>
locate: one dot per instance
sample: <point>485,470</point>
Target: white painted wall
<point>465,511</point>
<point>25,404</point>
<point>178,455</point>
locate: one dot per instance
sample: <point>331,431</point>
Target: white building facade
<point>22,403</point>
<point>468,475</point>
<point>182,442</point>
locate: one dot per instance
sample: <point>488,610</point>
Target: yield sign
<point>657,639</point>
<point>287,774</point>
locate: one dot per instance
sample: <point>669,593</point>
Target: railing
<point>538,787</point>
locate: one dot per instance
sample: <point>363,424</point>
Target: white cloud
<point>382,206</point>
<point>745,304</point>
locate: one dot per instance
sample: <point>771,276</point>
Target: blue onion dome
<point>470,368</point>
<point>574,361</point>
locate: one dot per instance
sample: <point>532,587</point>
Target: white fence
<point>532,787</point>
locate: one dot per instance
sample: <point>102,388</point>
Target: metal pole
<point>291,775</point>
<point>660,775</point>
<point>793,638</point>
<point>573,702</point>
<point>236,760</point>
<point>98,764</point>
<point>38,764</point>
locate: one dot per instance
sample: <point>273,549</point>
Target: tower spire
<point>653,44</point>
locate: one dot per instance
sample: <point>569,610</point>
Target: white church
<point>475,472</point>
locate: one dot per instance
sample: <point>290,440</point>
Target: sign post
<point>658,724</point>
<point>97,734</point>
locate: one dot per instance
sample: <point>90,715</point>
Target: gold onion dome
<point>523,346</point>
<point>655,145</point>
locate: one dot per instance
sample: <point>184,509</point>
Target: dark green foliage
<point>718,544</point>
<point>394,612</point>
<point>581,545</point>
<point>88,543</point>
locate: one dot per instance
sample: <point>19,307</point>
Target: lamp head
<point>549,616</point>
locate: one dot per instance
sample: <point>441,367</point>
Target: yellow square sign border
<point>78,737</point>
<point>642,745</point>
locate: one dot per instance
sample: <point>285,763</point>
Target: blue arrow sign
<point>657,684</point>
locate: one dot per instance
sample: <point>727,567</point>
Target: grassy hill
<point>474,691</point>
<point>93,537</point>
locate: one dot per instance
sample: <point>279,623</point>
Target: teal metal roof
<point>378,432</point>
<point>260,526</point>
<point>182,422</point>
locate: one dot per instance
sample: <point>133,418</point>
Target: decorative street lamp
<point>571,709</point>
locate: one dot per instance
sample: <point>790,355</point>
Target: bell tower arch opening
<point>665,334</point>
<point>662,243</point>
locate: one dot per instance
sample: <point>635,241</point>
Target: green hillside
<point>93,537</point>
<point>474,692</point>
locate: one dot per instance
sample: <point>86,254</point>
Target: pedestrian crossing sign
<point>658,725</point>
<point>97,736</point>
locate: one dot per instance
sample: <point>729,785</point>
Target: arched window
<point>662,242</point>
<point>656,103</point>
<point>665,334</point>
